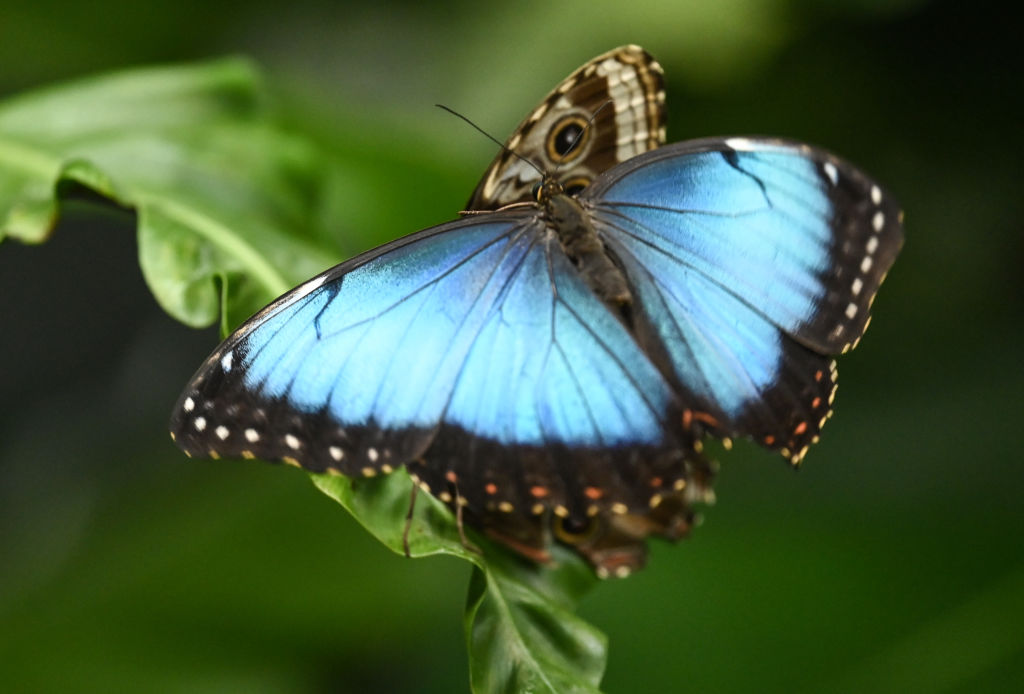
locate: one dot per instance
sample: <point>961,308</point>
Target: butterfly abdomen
<point>585,248</point>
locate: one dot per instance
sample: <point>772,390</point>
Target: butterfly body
<point>582,245</point>
<point>552,366</point>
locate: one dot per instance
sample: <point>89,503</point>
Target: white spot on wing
<point>831,172</point>
<point>865,264</point>
<point>857,286</point>
<point>740,144</point>
<point>222,432</point>
<point>292,441</point>
<point>878,221</point>
<point>252,436</point>
<point>372,454</point>
<point>225,362</point>
<point>851,310</point>
<point>872,245</point>
<point>200,423</point>
<point>876,194</point>
<point>189,405</point>
<point>336,452</point>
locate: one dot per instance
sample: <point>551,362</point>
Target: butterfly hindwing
<point>624,88</point>
<point>752,261</point>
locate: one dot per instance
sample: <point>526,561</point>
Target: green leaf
<point>520,627</point>
<point>233,210</point>
<point>522,632</point>
<point>222,194</point>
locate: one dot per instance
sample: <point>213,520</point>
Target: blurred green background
<point>892,562</point>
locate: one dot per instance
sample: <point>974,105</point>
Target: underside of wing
<point>607,111</point>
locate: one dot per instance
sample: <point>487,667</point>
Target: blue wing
<point>473,352</point>
<point>751,261</point>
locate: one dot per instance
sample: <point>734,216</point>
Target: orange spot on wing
<point>593,493</point>
<point>706,418</point>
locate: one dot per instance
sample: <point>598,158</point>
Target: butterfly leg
<point>462,529</point>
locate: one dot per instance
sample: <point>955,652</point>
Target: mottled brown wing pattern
<point>621,90</point>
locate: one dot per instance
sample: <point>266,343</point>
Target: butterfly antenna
<point>494,139</point>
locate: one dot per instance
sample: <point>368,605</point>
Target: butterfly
<point>551,366</point>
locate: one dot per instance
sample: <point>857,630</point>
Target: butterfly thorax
<point>567,218</point>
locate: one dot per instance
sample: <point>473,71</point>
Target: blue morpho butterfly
<point>551,367</point>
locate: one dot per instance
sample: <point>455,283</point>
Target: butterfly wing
<point>633,123</point>
<point>471,352</point>
<point>752,262</point>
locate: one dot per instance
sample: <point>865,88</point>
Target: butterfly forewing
<point>752,261</point>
